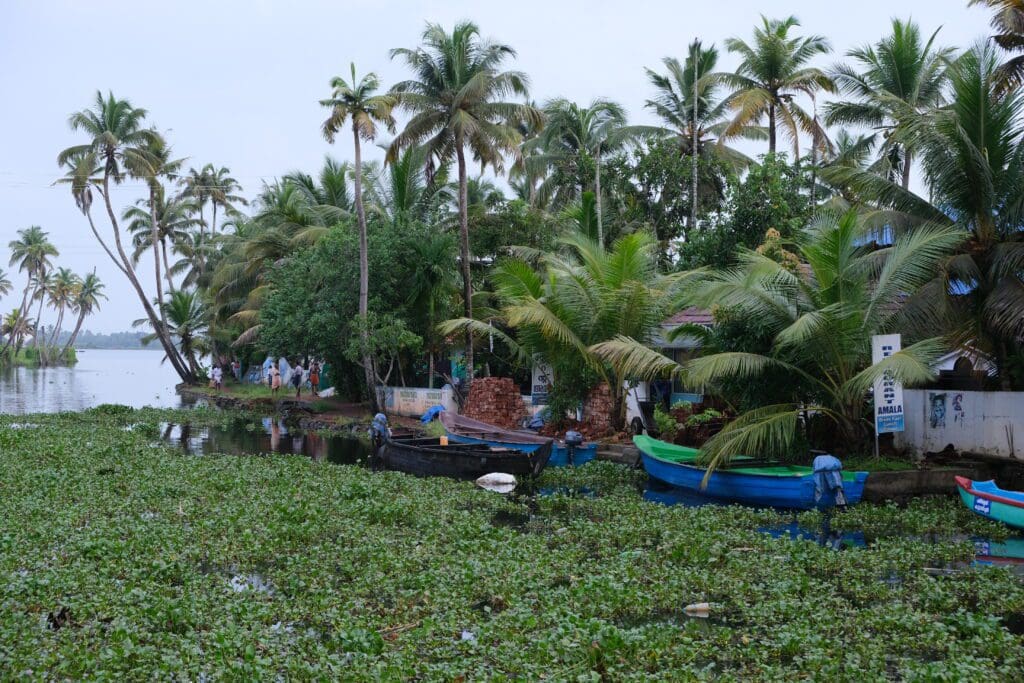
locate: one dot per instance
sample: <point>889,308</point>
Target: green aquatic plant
<point>121,557</point>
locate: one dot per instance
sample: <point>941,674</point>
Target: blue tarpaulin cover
<point>431,413</point>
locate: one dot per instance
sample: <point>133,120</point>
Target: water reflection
<point>270,435</point>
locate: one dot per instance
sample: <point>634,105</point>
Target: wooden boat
<point>988,500</point>
<point>427,457</point>
<point>744,480</point>
<point>467,430</point>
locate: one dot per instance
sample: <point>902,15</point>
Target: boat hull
<point>430,459</point>
<point>466,430</point>
<point>758,490</point>
<point>986,499</point>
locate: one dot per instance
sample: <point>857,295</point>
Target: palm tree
<point>31,252</point>
<point>972,155</point>
<point>85,302</point>
<point>455,99</point>
<point>680,88</point>
<point>197,185</point>
<point>575,137</point>
<point>222,192</point>
<point>821,318</point>
<point>5,283</point>
<point>188,322</point>
<point>898,74</point>
<point>772,73</point>
<point>579,298</point>
<point>175,223</point>
<point>14,326</point>
<point>118,146</point>
<point>431,286</point>
<point>359,102</point>
<point>62,290</point>
<point>1008,22</point>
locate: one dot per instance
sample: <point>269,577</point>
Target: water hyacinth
<point>122,556</point>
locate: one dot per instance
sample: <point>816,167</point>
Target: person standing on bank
<point>297,378</point>
<point>314,378</point>
<point>275,379</point>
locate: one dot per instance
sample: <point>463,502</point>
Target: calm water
<point>270,435</point>
<point>135,378</point>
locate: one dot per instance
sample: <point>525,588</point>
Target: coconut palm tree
<point>900,73</point>
<point>5,283</point>
<point>197,185</point>
<point>574,138</point>
<point>118,146</point>
<point>1008,22</point>
<point>31,252</point>
<point>972,156</point>
<point>176,222</point>
<point>85,302</point>
<point>358,101</point>
<point>773,72</point>
<point>188,321</point>
<point>679,89</point>
<point>578,298</point>
<point>455,99</point>
<point>821,318</point>
<point>222,192</point>
<point>14,327</point>
<point>63,288</point>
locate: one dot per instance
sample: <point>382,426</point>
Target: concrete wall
<point>413,402</point>
<point>985,422</point>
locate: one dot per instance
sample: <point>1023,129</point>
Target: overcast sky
<point>237,83</point>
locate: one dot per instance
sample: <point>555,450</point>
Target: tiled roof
<point>691,316</point>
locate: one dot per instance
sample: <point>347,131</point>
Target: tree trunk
<point>155,237</point>
<point>21,313</point>
<point>40,331</point>
<point>213,221</point>
<point>771,127</point>
<point>167,266</point>
<point>74,334</point>
<point>467,283</point>
<point>364,277</point>
<point>907,158</point>
<point>430,369</point>
<point>597,197</point>
<point>161,333</point>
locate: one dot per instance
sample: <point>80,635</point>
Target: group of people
<point>217,374</point>
<point>298,374</point>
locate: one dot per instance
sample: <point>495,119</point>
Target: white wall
<point>413,402</point>
<point>985,422</point>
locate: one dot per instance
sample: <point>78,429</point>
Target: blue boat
<point>464,429</point>
<point>757,484</point>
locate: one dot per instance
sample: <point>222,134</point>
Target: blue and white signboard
<point>888,392</point>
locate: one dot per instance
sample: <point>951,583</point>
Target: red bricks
<point>599,411</point>
<point>496,401</point>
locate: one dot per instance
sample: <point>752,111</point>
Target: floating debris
<point>499,482</point>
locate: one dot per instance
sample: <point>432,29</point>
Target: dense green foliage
<point>263,567</point>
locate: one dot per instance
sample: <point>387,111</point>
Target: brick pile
<point>599,410</point>
<point>496,401</point>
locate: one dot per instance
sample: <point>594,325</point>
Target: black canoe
<point>427,457</point>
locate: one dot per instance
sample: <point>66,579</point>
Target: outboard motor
<point>573,440</point>
<point>828,480</point>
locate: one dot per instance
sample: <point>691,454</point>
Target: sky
<point>238,82</point>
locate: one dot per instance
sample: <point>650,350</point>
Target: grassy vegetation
<point>28,357</point>
<point>279,567</point>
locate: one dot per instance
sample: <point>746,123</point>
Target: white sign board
<point>541,383</point>
<point>888,392</point>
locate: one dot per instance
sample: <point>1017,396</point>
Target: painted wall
<point>985,422</point>
<point>413,402</point>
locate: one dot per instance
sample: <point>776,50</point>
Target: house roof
<point>690,316</point>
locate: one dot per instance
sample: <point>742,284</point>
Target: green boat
<point>988,500</point>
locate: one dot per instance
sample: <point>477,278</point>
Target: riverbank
<point>309,412</point>
<point>120,555</point>
<point>30,358</point>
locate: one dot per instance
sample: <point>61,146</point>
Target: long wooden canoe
<point>746,480</point>
<point>467,430</point>
<point>427,457</point>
